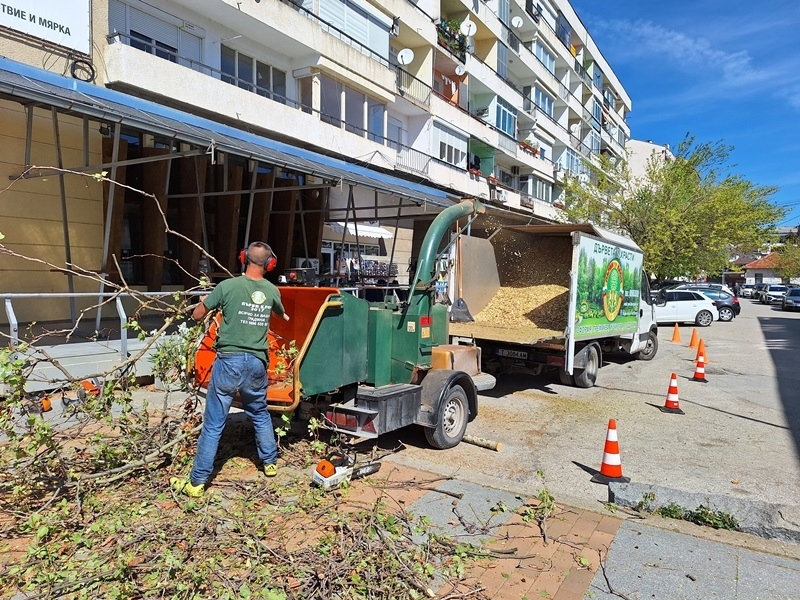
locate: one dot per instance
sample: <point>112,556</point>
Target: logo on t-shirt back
<point>258,297</point>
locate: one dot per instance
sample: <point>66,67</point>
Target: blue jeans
<point>234,372</point>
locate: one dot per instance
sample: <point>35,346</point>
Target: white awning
<point>369,231</point>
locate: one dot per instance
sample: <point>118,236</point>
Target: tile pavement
<point>522,565</point>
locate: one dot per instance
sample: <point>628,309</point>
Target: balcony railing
<point>452,40</point>
<point>410,160</point>
<point>412,88</point>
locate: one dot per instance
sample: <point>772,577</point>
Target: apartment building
<point>315,124</point>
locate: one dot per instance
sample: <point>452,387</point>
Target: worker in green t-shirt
<point>241,365</point>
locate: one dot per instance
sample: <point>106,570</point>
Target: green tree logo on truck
<point>612,290</point>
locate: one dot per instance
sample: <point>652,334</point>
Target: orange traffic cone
<point>694,341</point>
<point>676,334</point>
<point>673,404</point>
<point>700,370</point>
<point>701,350</point>
<point>611,467</point>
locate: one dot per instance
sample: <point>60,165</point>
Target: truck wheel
<point>585,378</point>
<point>564,377</point>
<point>650,349</point>
<point>452,422</point>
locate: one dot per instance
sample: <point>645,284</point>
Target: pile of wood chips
<point>536,306</point>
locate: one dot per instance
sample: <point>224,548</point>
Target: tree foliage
<point>788,264</point>
<point>687,212</point>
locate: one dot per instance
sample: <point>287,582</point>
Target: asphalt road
<point>740,435</point>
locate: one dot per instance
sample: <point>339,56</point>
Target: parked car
<point>757,290</point>
<point>791,301</point>
<point>685,306</point>
<point>773,293</point>
<point>727,304</point>
<point>747,290</point>
<point>700,286</point>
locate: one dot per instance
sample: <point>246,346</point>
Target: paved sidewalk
<point>523,566</point>
<point>641,561</point>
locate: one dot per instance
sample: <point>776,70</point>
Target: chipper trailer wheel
<point>452,420</point>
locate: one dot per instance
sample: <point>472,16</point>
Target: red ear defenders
<point>272,261</point>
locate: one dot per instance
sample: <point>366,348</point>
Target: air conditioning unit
<point>499,195</point>
<point>298,262</point>
<point>482,112</point>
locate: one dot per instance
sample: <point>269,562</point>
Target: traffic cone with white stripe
<point>701,350</point>
<point>673,404</point>
<point>700,370</point>
<point>611,467</point>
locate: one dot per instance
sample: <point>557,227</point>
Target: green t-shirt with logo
<point>246,307</point>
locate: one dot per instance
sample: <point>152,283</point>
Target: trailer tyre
<point>585,378</point>
<point>650,349</point>
<point>452,421</point>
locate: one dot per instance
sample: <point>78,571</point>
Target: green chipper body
<point>377,366</point>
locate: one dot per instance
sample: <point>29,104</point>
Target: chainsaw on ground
<point>338,468</point>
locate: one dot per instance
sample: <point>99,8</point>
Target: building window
<point>249,74</point>
<point>597,77</point>
<point>547,59</point>
<point>594,141</point>
<point>157,33</point>
<point>448,146</point>
<point>506,118</point>
<point>502,60</point>
<point>572,161</point>
<point>543,190</point>
<point>351,21</point>
<point>563,30</point>
<point>543,101</point>
<point>270,82</point>
<point>597,112</point>
<point>354,111</point>
<point>330,108</point>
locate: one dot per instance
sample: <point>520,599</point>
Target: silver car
<point>791,301</point>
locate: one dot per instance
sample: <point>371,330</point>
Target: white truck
<point>553,296</point>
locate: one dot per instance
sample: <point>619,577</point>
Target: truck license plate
<point>513,354</point>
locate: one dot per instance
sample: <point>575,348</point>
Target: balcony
<point>449,37</point>
<point>207,91</point>
<point>413,89</point>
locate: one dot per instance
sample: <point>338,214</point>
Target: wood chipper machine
<point>373,367</point>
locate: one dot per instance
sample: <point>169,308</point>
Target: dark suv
<point>727,304</point>
<point>791,301</point>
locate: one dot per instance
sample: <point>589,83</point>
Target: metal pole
<point>73,313</point>
<point>28,133</point>
<point>250,206</point>
<point>112,186</point>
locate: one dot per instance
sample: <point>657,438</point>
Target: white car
<point>773,293</point>
<point>685,306</point>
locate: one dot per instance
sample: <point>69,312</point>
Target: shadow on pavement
<point>782,335</point>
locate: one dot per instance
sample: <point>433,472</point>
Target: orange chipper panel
<point>302,305</point>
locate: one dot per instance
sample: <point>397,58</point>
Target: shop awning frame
<point>22,82</point>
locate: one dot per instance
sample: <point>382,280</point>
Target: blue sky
<point>719,69</point>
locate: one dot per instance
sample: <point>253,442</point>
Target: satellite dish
<point>574,129</point>
<point>516,22</point>
<point>405,56</point>
<point>460,70</point>
<point>468,28</point>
